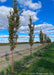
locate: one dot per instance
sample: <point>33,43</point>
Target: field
<point>44,65</point>
<point>41,62</point>
<point>19,52</point>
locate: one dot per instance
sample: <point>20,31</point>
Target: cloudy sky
<point>42,12</point>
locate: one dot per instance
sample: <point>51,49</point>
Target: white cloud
<point>50,32</point>
<point>33,6</point>
<point>4,40</point>
<point>4,36</point>
<point>47,28</point>
<point>25,17</point>
<point>22,38</point>
<point>3,0</point>
<point>51,36</point>
<point>30,4</point>
<point>44,26</point>
<point>4,12</point>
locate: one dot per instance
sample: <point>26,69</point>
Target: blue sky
<point>42,12</point>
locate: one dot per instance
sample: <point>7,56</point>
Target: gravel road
<point>6,49</point>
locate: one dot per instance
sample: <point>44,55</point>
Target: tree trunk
<point>31,50</point>
<point>12,62</point>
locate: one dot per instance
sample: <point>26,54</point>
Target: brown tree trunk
<point>12,62</point>
<point>31,50</point>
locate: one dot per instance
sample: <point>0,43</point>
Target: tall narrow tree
<point>14,22</point>
<point>31,34</point>
<point>44,37</point>
<point>48,40</point>
<point>41,36</point>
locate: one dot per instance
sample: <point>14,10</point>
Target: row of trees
<point>14,24</point>
<point>44,38</point>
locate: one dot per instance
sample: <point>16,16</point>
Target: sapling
<point>14,24</point>
<point>31,34</point>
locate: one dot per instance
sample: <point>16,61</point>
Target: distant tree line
<point>44,38</point>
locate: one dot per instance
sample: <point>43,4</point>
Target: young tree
<point>48,40</point>
<point>31,34</point>
<point>14,22</point>
<point>41,36</point>
<point>44,38</point>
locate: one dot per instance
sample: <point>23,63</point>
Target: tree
<point>48,40</point>
<point>44,37</point>
<point>41,36</point>
<point>31,34</point>
<point>14,22</point>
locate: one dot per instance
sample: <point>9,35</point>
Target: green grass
<point>45,64</point>
<point>41,64</point>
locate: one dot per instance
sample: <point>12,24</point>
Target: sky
<point>42,12</point>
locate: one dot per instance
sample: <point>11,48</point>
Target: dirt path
<point>6,49</point>
<point>17,56</point>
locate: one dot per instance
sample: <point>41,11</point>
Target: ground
<point>17,56</point>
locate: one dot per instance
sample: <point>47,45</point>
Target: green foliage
<point>23,73</point>
<point>48,40</point>
<point>14,22</point>
<point>31,32</point>
<point>41,36</point>
<point>44,38</point>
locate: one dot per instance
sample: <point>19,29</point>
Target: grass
<point>45,64</point>
<point>42,61</point>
